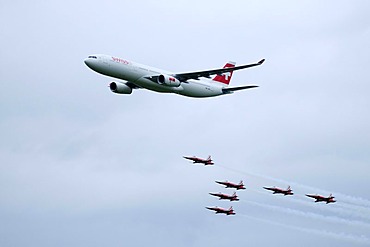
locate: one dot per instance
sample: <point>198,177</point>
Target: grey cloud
<point>82,166</point>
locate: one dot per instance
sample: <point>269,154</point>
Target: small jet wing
<point>314,196</point>
<point>207,73</point>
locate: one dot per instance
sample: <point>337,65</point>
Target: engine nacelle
<point>121,88</point>
<point>168,81</point>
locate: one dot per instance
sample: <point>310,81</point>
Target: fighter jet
<point>319,198</point>
<point>195,160</point>
<point>276,190</point>
<point>239,186</point>
<point>232,197</point>
<point>218,210</point>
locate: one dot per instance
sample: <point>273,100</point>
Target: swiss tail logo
<point>225,78</point>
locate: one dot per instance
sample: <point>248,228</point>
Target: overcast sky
<point>81,166</point>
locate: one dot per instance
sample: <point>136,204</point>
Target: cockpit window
<point>93,57</point>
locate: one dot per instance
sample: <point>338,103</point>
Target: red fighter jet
<point>232,197</point>
<point>239,186</point>
<point>276,190</point>
<point>218,210</point>
<point>329,199</point>
<point>195,160</point>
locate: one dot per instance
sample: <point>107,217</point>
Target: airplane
<point>239,186</point>
<point>276,190</point>
<point>232,197</point>
<point>195,160</point>
<point>192,84</point>
<point>218,210</point>
<point>319,198</point>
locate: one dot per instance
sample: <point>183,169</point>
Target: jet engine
<point>121,88</point>
<point>168,81</point>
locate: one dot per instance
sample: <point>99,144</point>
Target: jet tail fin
<point>225,78</point>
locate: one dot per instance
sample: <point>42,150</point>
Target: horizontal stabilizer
<point>232,89</point>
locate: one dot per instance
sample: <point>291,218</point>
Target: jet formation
<point>241,186</point>
<point>231,198</point>
<point>199,84</point>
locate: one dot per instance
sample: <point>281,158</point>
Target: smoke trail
<point>339,208</point>
<point>339,236</point>
<point>315,216</point>
<point>356,201</point>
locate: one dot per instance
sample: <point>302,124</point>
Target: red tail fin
<point>225,77</point>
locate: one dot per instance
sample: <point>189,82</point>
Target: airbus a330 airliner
<point>192,84</point>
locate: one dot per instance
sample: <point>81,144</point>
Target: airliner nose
<point>87,61</point>
<point>90,61</point>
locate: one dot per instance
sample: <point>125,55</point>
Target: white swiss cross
<point>226,75</point>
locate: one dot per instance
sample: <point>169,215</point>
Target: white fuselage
<point>138,74</point>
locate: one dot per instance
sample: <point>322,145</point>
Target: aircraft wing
<point>132,85</point>
<point>314,196</point>
<point>191,158</point>
<point>207,73</point>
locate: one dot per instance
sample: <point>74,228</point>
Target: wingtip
<point>261,62</point>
